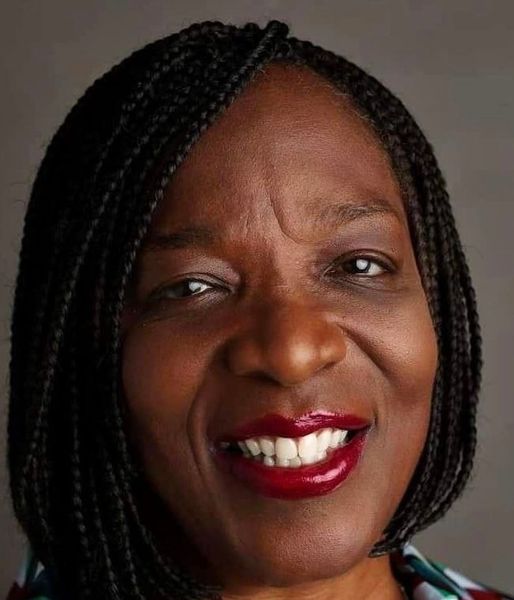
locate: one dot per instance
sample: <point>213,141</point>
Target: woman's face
<point>283,314</point>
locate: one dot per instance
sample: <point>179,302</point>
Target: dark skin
<point>280,321</point>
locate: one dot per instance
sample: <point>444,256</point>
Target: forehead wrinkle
<point>204,236</point>
<point>339,214</point>
<point>344,213</point>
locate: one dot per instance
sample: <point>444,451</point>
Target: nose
<point>288,344</point>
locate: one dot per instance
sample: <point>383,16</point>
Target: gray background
<point>451,62</point>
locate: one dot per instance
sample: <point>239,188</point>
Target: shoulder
<point>427,579</point>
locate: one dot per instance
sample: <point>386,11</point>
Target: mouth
<point>293,458</point>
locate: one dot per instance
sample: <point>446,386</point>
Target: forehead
<point>289,146</point>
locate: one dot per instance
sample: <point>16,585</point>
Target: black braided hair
<point>72,473</point>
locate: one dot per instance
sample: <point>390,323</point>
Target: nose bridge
<point>288,340</point>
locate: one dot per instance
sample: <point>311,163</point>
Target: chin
<point>285,563</point>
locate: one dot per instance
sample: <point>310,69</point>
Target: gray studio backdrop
<point>450,62</point>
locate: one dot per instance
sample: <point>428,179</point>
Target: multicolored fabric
<point>426,579</point>
<point>422,579</point>
<point>33,581</point>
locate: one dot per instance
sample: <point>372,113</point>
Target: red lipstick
<point>294,482</point>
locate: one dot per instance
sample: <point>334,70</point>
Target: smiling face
<point>304,296</point>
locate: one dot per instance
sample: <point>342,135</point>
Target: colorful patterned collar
<point>426,579</point>
<point>422,578</point>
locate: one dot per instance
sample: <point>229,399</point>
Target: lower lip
<point>299,482</point>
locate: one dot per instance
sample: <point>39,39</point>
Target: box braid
<point>74,479</point>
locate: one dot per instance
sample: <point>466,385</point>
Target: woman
<point>245,346</point>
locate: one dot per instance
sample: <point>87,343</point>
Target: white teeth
<point>285,448</point>
<point>244,448</point>
<point>335,438</point>
<point>308,446</point>
<point>293,452</point>
<point>267,446</point>
<point>314,459</point>
<point>253,446</point>
<point>324,437</point>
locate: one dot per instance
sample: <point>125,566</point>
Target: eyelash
<point>371,260</point>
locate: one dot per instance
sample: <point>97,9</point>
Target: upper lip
<point>281,426</point>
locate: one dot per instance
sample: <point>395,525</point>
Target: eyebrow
<point>202,236</point>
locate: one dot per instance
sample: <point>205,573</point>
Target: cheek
<point>160,381</point>
<point>403,417</point>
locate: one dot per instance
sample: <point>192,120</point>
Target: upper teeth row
<point>306,447</point>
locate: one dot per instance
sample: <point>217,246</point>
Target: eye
<point>363,266</point>
<point>366,266</point>
<point>360,266</point>
<point>181,289</point>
